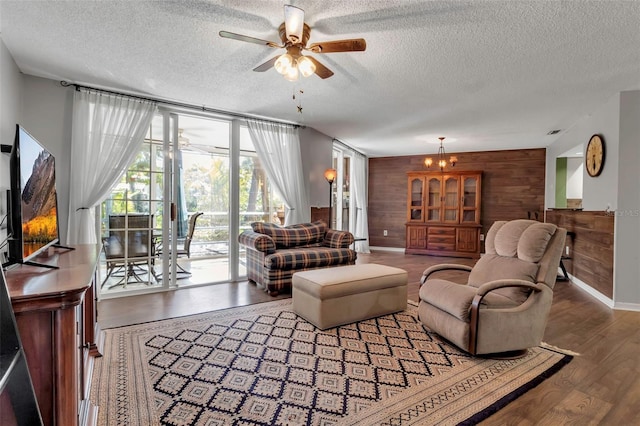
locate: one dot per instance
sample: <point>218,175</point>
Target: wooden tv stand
<point>55,312</point>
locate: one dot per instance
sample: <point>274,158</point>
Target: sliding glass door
<point>204,190</point>
<point>131,218</point>
<point>343,216</point>
<point>204,173</point>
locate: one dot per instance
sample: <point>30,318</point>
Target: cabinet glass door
<point>416,208</point>
<point>451,206</point>
<point>470,200</point>
<point>434,199</point>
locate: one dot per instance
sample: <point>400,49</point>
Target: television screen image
<point>38,198</point>
<point>38,219</point>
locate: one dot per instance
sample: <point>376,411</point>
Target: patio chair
<point>185,250</point>
<point>139,256</point>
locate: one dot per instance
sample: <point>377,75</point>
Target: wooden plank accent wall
<point>591,249</point>
<point>512,185</point>
<point>320,213</point>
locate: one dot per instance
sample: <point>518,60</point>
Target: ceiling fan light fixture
<point>294,23</point>
<point>182,140</point>
<point>306,66</point>
<point>292,73</point>
<point>283,63</point>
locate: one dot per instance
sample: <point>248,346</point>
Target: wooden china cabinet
<point>443,213</point>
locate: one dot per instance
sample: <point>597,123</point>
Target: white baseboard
<point>396,249</point>
<point>627,307</point>
<point>622,306</point>
<point>592,292</point>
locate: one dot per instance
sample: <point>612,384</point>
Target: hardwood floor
<point>601,385</point>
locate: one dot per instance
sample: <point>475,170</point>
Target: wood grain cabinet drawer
<point>441,246</point>
<point>441,239</point>
<point>433,230</point>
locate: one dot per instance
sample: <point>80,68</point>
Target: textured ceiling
<point>485,74</point>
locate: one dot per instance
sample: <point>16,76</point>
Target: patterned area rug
<point>263,365</point>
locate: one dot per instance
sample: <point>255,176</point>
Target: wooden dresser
<point>55,312</point>
<point>443,213</point>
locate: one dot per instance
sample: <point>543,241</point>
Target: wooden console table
<point>55,312</point>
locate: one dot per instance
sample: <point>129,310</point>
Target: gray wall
<point>10,106</point>
<point>626,291</point>
<point>575,172</point>
<point>10,114</point>
<point>317,154</point>
<point>47,114</point>
<point>617,188</point>
<point>44,110</point>
<point>601,192</point>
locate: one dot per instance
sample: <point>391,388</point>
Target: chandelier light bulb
<point>292,73</point>
<point>306,66</point>
<point>428,162</point>
<point>283,64</point>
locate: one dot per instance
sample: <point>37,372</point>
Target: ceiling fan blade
<point>193,148</point>
<point>349,45</point>
<point>240,37</point>
<point>266,65</point>
<point>321,71</point>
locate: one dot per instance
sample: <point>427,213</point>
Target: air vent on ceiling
<point>554,132</point>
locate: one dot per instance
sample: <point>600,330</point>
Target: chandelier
<point>442,158</point>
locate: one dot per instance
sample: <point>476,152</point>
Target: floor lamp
<point>330,176</point>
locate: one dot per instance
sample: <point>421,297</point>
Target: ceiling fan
<point>186,145</point>
<point>294,34</point>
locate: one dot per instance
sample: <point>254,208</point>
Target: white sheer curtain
<point>360,201</point>
<point>107,133</point>
<point>278,147</point>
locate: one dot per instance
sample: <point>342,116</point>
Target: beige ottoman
<point>330,297</point>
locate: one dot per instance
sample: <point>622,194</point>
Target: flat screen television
<point>33,204</point>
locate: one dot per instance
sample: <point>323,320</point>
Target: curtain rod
<point>203,108</point>
<point>344,145</point>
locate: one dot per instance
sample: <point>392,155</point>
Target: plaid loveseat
<point>275,253</point>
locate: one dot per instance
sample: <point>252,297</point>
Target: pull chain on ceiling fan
<point>294,33</point>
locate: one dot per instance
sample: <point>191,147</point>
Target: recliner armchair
<point>505,304</point>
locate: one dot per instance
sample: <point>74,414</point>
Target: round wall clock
<point>594,157</point>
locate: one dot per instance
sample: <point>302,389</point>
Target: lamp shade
<point>306,66</point>
<point>294,22</point>
<point>283,63</point>
<point>292,73</point>
<point>330,175</point>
